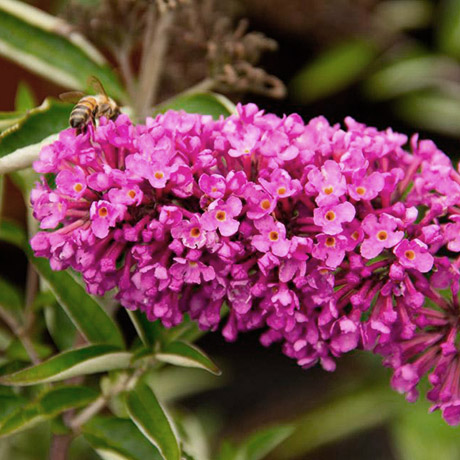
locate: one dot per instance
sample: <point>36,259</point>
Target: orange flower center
<point>213,189</point>
<point>273,236</point>
<point>159,175</point>
<point>328,190</point>
<point>195,232</point>
<point>78,187</point>
<point>265,204</point>
<point>103,212</point>
<point>360,191</point>
<point>330,241</point>
<point>355,235</point>
<point>382,235</point>
<point>220,216</point>
<point>132,194</point>
<point>192,264</point>
<point>330,216</point>
<point>281,191</point>
<point>410,254</point>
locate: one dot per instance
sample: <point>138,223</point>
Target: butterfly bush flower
<point>327,239</point>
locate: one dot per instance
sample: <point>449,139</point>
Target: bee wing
<point>96,84</point>
<point>71,96</point>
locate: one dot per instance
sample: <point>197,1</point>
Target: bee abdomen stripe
<point>80,110</point>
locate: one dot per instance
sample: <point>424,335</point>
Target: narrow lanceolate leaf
<point>88,315</point>
<point>148,331</point>
<point>431,110</point>
<point>411,74</point>
<point>36,125</point>
<point>117,438</point>
<point>187,330</point>
<point>204,103</point>
<point>59,326</point>
<point>49,47</point>
<point>86,360</point>
<point>333,70</point>
<point>46,406</point>
<point>8,119</point>
<point>148,415</point>
<point>9,403</point>
<point>187,355</point>
<point>10,297</point>
<point>12,233</point>
<point>25,98</point>
<point>448,27</point>
<point>261,443</point>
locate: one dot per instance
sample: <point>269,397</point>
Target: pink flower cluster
<point>328,239</point>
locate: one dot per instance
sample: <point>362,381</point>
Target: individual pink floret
<point>272,237</point>
<point>381,234</point>
<point>220,215</point>
<point>104,215</point>
<point>330,218</point>
<point>414,254</point>
<point>329,183</point>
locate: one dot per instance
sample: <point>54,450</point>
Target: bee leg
<point>115,114</point>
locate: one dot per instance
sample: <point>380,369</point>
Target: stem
<point>96,406</point>
<point>123,57</point>
<point>155,46</point>
<point>60,446</point>
<point>21,333</point>
<point>31,292</point>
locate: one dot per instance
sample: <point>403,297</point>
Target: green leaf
<point>17,351</point>
<point>8,119</point>
<point>148,331</point>
<point>50,48</point>
<point>261,443</point>
<point>59,326</point>
<point>12,233</point>
<point>46,406</point>
<point>10,297</point>
<point>10,403</point>
<point>86,314</point>
<point>333,70</point>
<point>117,438</point>
<point>187,330</point>
<point>343,417</point>
<point>431,111</point>
<point>228,451</point>
<point>25,98</point>
<point>204,103</point>
<point>195,437</point>
<point>448,27</point>
<point>38,124</point>
<point>257,446</point>
<point>186,355</point>
<point>148,415</point>
<point>81,361</point>
<point>420,435</point>
<point>411,74</point>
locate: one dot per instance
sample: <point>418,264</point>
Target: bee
<point>90,108</point>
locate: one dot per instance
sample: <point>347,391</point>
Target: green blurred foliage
<point>408,58</point>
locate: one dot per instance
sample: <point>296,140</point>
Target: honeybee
<point>90,108</point>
